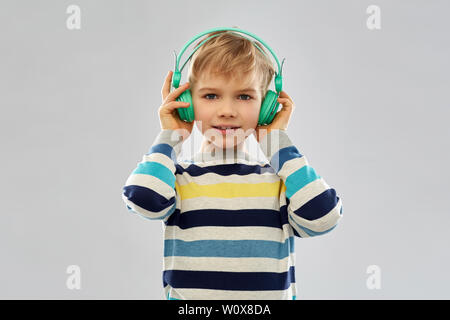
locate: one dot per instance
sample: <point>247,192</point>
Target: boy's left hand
<point>281,119</point>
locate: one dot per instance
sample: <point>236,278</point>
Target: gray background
<point>79,109</point>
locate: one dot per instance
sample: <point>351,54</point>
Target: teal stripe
<point>294,297</point>
<point>157,170</point>
<point>170,298</point>
<point>314,233</point>
<point>300,178</point>
<point>229,248</point>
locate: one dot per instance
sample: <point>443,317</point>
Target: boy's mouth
<point>226,129</point>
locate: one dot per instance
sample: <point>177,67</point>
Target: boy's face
<point>221,102</point>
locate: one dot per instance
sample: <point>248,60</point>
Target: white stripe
<point>151,182</point>
<point>240,203</point>
<point>229,233</point>
<point>307,193</point>
<point>160,158</point>
<point>292,165</point>
<point>240,264</point>
<point>146,213</point>
<point>205,294</point>
<point>207,178</point>
<point>302,233</point>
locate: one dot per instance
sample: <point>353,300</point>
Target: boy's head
<point>236,76</point>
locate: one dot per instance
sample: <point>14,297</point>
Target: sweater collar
<point>222,157</point>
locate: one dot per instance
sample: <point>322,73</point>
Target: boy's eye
<point>245,95</point>
<point>241,95</point>
<point>209,94</point>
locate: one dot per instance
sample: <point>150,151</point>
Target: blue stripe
<point>228,218</point>
<point>319,206</point>
<point>225,169</point>
<point>163,148</point>
<point>314,233</point>
<point>157,170</point>
<point>229,248</point>
<point>300,178</point>
<point>156,218</point>
<point>219,280</point>
<point>147,198</point>
<point>281,156</point>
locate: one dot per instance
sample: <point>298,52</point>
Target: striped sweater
<point>230,223</point>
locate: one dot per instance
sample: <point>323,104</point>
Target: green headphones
<point>269,106</point>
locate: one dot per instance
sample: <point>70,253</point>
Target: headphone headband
<point>177,73</point>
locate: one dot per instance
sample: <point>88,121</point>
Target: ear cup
<point>186,114</point>
<point>269,108</point>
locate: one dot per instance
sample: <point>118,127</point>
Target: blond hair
<point>230,54</point>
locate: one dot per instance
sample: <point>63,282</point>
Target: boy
<point>229,221</point>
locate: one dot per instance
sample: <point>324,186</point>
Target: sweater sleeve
<point>150,189</point>
<point>312,205</point>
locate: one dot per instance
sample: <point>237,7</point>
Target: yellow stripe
<point>283,187</point>
<point>229,190</point>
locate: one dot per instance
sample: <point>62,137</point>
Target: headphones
<point>269,105</point>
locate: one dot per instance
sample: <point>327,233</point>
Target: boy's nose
<point>227,109</point>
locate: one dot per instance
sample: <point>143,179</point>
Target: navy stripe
<point>284,216</point>
<point>147,198</point>
<point>229,248</point>
<point>163,148</point>
<point>318,206</point>
<point>220,217</point>
<point>220,280</point>
<point>224,169</point>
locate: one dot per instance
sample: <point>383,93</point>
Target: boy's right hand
<point>168,115</point>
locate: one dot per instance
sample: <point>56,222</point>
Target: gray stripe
<point>171,137</point>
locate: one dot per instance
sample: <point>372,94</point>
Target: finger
<point>166,86</point>
<point>285,101</point>
<point>287,105</point>
<point>283,94</point>
<point>175,93</point>
<point>168,108</point>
